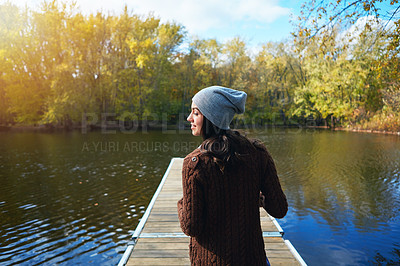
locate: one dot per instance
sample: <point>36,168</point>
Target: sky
<point>256,21</point>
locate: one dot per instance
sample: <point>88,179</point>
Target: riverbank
<point>174,127</point>
<point>367,131</point>
<point>357,130</point>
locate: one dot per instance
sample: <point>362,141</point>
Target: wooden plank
<point>161,230</point>
<point>162,245</point>
<point>156,249</point>
<point>283,261</point>
<point>160,253</point>
<point>165,239</point>
<point>158,261</point>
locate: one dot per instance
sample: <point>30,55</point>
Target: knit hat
<point>219,104</point>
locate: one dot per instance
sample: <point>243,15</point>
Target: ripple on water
<point>65,206</point>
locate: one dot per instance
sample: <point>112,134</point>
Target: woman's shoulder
<point>261,150</point>
<point>192,159</point>
<point>247,143</point>
<point>195,153</point>
<point>258,144</point>
<point>263,154</point>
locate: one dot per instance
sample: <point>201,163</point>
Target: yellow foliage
<point>141,60</point>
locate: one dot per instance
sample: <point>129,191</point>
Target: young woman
<point>225,181</point>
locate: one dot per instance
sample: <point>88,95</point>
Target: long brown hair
<point>225,146</point>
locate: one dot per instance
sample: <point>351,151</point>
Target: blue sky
<point>256,21</point>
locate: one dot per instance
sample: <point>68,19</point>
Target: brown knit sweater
<point>220,210</point>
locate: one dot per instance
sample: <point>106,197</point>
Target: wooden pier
<point>158,238</point>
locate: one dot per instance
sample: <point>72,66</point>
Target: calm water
<point>73,198</point>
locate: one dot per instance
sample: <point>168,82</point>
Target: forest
<point>60,68</point>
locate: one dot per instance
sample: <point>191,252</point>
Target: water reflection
<point>344,192</point>
<point>379,259</point>
<point>347,173</point>
<point>73,198</point>
<point>61,203</point>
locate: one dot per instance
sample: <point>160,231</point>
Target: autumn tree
<point>276,70</point>
<point>12,23</point>
<point>347,47</point>
<point>60,67</point>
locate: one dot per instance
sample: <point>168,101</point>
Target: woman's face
<point>196,120</point>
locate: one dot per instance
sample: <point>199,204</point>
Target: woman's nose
<point>189,118</point>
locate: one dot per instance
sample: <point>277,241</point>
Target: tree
<point>276,79</point>
<point>318,18</point>
<point>237,64</point>
<point>346,47</point>
<point>52,28</point>
<point>26,83</point>
<point>165,98</point>
<point>12,22</point>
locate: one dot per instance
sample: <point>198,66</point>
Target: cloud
<point>351,35</point>
<point>23,3</point>
<point>219,19</point>
<point>201,15</point>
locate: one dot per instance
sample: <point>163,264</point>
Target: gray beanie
<point>219,104</point>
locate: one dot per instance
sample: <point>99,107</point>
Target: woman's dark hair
<point>225,146</point>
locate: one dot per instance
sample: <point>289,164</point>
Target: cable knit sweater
<point>220,209</point>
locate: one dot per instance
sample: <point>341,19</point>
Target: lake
<point>76,197</point>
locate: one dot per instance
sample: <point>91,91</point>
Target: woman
<point>225,181</point>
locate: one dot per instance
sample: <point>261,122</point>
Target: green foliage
<point>350,57</point>
<point>58,66</point>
